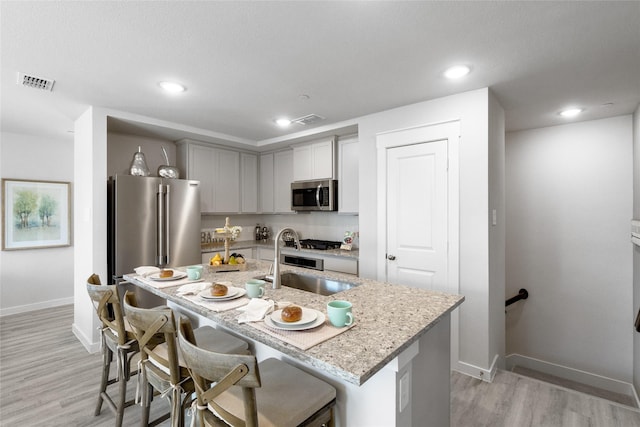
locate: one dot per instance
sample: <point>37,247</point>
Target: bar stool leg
<point>146,401</point>
<point>124,366</point>
<point>107,357</point>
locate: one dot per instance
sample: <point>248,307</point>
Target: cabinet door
<point>266,254</point>
<point>314,161</point>
<point>322,157</point>
<point>302,163</point>
<point>266,183</point>
<point>249,181</point>
<point>200,167</point>
<point>348,176</point>
<point>283,176</point>
<point>227,184</point>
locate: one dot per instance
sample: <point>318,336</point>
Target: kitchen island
<point>391,369</point>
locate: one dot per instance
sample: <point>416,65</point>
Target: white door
<point>418,210</point>
<point>417,215</point>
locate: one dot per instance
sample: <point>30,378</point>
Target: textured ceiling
<point>246,63</point>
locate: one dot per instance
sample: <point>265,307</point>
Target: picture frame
<point>36,214</point>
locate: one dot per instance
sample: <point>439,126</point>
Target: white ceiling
<point>246,63</point>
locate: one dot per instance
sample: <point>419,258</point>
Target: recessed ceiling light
<point>172,87</point>
<point>571,112</point>
<point>283,122</point>
<point>457,71</point>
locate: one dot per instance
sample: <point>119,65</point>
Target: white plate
<point>319,321</point>
<point>308,316</point>
<point>176,276</point>
<point>232,293</point>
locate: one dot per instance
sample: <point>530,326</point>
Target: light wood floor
<point>512,400</point>
<point>47,378</point>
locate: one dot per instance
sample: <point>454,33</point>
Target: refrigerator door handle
<point>167,223</point>
<point>160,233</point>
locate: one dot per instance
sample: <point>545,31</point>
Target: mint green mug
<point>255,288</point>
<point>194,272</point>
<point>340,313</point>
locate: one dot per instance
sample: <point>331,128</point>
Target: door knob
<point>391,257</point>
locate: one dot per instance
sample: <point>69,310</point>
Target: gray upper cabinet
<point>228,178</point>
<point>226,187</point>
<point>282,178</point>
<point>196,162</point>
<point>266,197</point>
<point>315,160</point>
<point>348,175</point>
<point>249,183</point>
<point>276,175</point>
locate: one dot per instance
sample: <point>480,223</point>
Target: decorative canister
<point>139,164</point>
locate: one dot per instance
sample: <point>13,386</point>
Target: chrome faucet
<point>276,261</point>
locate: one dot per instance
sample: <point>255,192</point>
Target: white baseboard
<point>572,374</point>
<point>476,372</point>
<point>91,347</point>
<point>36,306</point>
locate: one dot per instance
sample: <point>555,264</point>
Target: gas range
<point>316,244</point>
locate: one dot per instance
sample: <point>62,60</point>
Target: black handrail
<point>522,294</point>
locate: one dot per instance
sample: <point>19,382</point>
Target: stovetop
<point>316,244</point>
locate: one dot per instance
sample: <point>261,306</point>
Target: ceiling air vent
<point>308,119</point>
<point>35,82</point>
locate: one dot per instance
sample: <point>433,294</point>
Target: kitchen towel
<point>255,310</point>
<point>146,270</point>
<point>193,288</point>
<point>306,339</point>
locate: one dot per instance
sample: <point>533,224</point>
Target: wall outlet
<point>405,391</point>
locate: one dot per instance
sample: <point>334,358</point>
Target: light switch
<point>494,217</point>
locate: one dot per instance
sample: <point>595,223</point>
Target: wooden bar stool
<point>269,393</point>
<point>162,368</point>
<point>117,338</point>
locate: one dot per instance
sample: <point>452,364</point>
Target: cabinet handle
<point>391,257</point>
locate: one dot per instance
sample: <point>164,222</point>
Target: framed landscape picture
<point>35,213</point>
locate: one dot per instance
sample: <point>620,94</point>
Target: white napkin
<point>193,288</point>
<point>146,270</point>
<point>255,310</point>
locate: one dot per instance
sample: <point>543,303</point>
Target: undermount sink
<point>315,284</point>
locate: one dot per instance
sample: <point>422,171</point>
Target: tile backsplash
<point>314,225</point>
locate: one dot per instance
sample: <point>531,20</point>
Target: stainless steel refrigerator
<point>151,221</point>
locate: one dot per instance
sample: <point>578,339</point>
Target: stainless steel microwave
<point>318,195</point>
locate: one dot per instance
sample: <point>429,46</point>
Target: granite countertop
<point>246,244</point>
<point>389,318</point>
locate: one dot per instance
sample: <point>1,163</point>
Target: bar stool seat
<point>162,370</point>
<point>244,392</point>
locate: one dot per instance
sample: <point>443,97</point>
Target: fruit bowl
<point>235,262</point>
<point>227,267</point>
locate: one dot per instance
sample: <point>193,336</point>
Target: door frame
<point>449,130</point>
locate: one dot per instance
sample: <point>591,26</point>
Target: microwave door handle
<point>318,196</point>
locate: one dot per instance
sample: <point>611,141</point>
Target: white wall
<point>472,109</point>
<point>569,193</point>
<point>90,218</point>
<point>37,158</point>
<point>497,230</point>
<point>636,249</point>
<point>121,147</point>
